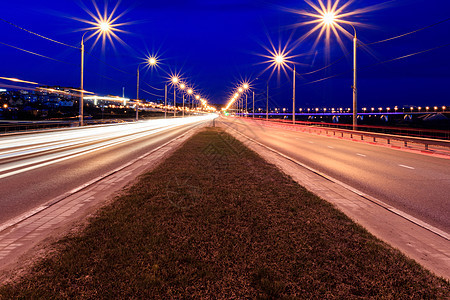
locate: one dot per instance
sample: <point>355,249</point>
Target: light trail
<point>29,152</point>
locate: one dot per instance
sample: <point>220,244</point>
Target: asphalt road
<point>36,168</point>
<point>414,183</point>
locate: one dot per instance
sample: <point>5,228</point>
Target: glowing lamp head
<point>241,90</point>
<point>174,79</point>
<point>279,59</point>
<point>152,61</point>
<point>190,91</point>
<point>197,97</point>
<point>328,18</point>
<point>236,95</point>
<point>246,86</point>
<point>104,26</point>
<point>182,86</point>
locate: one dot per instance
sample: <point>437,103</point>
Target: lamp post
<point>175,80</point>
<point>197,97</point>
<point>103,28</point>
<point>253,110</point>
<point>281,61</point>
<point>245,87</point>
<point>190,92</point>
<point>80,111</point>
<point>165,101</point>
<point>182,87</point>
<point>151,61</point>
<point>293,97</point>
<point>329,19</point>
<point>354,87</point>
<point>267,103</point>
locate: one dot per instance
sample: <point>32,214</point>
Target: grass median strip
<point>216,221</point>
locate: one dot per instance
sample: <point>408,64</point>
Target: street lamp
<point>151,61</point>
<point>245,86</point>
<point>190,92</point>
<point>182,87</point>
<point>175,81</point>
<point>329,19</point>
<point>280,60</point>
<point>103,28</point>
<point>197,97</point>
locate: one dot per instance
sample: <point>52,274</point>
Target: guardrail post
<point>388,141</point>
<point>406,144</point>
<point>374,139</point>
<point>426,146</point>
<point>342,134</point>
<point>362,137</point>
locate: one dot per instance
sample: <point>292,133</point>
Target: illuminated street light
<point>175,80</point>
<point>280,60</point>
<point>151,61</point>
<point>182,87</point>
<point>245,88</point>
<point>104,27</point>
<point>329,19</point>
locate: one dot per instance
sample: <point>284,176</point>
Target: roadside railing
<point>394,140</point>
<point>403,131</point>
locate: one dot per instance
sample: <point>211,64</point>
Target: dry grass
<point>216,221</point>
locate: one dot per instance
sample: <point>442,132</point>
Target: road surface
<point>38,167</point>
<point>414,183</point>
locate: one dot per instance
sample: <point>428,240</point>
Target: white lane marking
<point>362,155</point>
<point>310,142</point>
<point>408,167</point>
<point>331,147</point>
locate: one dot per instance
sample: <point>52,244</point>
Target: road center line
<point>331,147</point>
<point>407,167</point>
<point>362,155</point>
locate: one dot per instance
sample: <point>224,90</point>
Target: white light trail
<point>43,149</point>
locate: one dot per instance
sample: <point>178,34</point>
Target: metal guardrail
<point>404,131</point>
<point>364,135</point>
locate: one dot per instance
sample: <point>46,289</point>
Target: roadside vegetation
<point>216,221</point>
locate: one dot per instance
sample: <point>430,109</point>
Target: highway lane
<point>36,168</point>
<point>414,183</point>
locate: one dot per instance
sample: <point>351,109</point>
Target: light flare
<point>329,17</point>
<point>103,25</point>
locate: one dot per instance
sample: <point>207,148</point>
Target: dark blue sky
<point>216,43</point>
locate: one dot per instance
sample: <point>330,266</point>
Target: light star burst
<point>104,24</point>
<point>329,18</point>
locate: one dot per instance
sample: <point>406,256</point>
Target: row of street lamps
<point>328,19</point>
<point>105,27</point>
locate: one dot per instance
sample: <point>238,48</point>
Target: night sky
<point>216,44</point>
